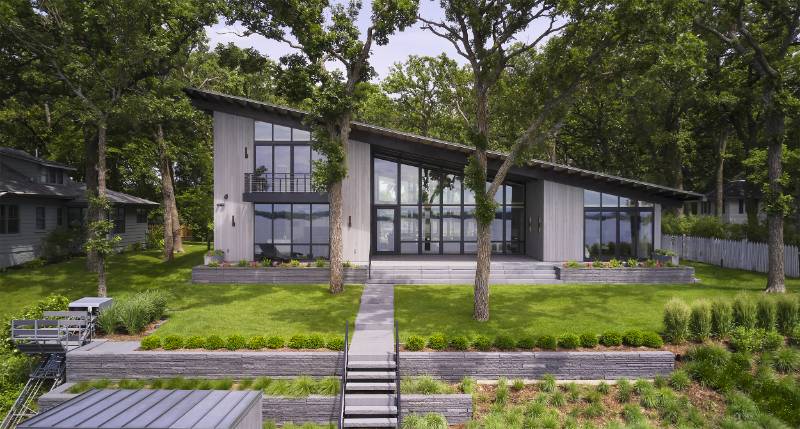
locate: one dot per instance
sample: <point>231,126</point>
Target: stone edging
<point>320,409</point>
<point>275,275</point>
<point>626,275</point>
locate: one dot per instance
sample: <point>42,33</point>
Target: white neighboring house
<point>734,208</point>
<point>37,196</point>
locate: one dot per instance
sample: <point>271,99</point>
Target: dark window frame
<point>141,215</point>
<point>311,239</point>
<point>119,221</point>
<point>41,218</point>
<point>635,212</point>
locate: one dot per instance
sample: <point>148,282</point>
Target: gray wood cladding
<point>233,218</point>
<point>562,228</point>
<point>356,191</point>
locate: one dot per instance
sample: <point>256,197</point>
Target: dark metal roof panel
<point>25,156</point>
<point>148,409</point>
<point>664,191</point>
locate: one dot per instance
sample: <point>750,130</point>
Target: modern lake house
<point>404,196</point>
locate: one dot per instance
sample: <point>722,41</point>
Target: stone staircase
<point>460,272</point>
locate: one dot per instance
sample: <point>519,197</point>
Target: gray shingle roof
<point>148,409</point>
<point>19,154</point>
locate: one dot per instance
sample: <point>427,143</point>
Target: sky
<point>412,41</point>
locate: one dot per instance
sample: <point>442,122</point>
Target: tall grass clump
<point>766,313</point>
<point>744,311</point>
<point>721,318</point>
<point>787,308</point>
<point>676,320</point>
<point>134,315</point>
<point>108,320</point>
<point>700,321</point>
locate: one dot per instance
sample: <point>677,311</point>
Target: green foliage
<point>335,343</point>
<point>700,324</point>
<point>427,421</point>
<point>214,342</point>
<point>256,342</point>
<point>195,342</point>
<point>275,342</point>
<point>548,383</point>
<point>134,315</point>
<point>172,342</point>
<point>633,338</point>
<point>547,342</point>
<point>459,342</point>
<point>108,320</point>
<point>787,313</point>
<point>298,341</point>
<point>320,263</point>
<point>468,385</point>
<point>266,262</point>
<point>679,380</point>
<point>62,243</point>
<point>150,342</point>
<point>482,343</point>
<point>415,343</point>
<point>501,392</point>
<point>437,341</point>
<point>652,340</point>
<point>745,311</point>
<point>235,342</point>
<point>747,340</point>
<point>569,341</point>
<point>100,239</point>
<point>611,339</point>
<point>424,385</point>
<point>527,342</point>
<point>676,321</point>
<point>504,342</point>
<point>624,390</point>
<point>721,318</point>
<point>766,313</point>
<point>243,263</point>
<point>315,341</point>
<point>589,340</point>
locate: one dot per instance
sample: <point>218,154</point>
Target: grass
<point>555,309</point>
<point>297,387</point>
<point>194,309</point>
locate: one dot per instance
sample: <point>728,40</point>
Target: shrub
<point>256,342</point>
<point>134,315</point>
<point>589,340</point>
<point>266,262</point>
<point>721,318</point>
<point>547,342</point>
<point>335,343</point>
<point>744,339</point>
<point>108,320</point>
<point>195,342</point>
<point>459,342</point>
<point>172,342</point>
<point>235,342</point>
<point>319,262</point>
<point>700,320</point>
<point>633,338</point>
<point>482,343</point>
<point>156,302</point>
<point>526,343</point>
<point>741,406</point>
<point>548,383</point>
<point>150,342</point>
<point>788,313</point>
<point>214,342</point>
<point>294,263</point>
<point>786,360</point>
<point>652,340</point>
<point>744,311</point>
<point>315,341</point>
<point>437,341</point>
<point>298,341</point>
<point>611,339</point>
<point>771,341</point>
<point>569,341</point>
<point>676,321</point>
<point>242,263</point>
<point>415,343</point>
<point>766,313</point>
<point>275,342</point>
<point>504,342</point>
<point>679,380</point>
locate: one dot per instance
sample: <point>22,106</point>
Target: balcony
<point>280,187</point>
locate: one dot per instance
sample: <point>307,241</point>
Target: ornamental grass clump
<point>721,318</point>
<point>679,380</point>
<point>744,311</point>
<point>548,383</point>
<point>766,313</point>
<point>787,308</point>
<point>700,320</point>
<point>676,321</point>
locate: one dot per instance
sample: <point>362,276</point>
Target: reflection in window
<point>320,229</point>
<point>301,223</point>
<point>470,224</point>
<point>451,223</point>
<point>617,227</point>
<point>409,224</point>
<point>263,131</point>
<point>385,182</point>
<point>431,191</point>
<point>300,135</point>
<point>281,133</point>
<point>409,184</point>
<point>451,193</point>
<point>284,231</point>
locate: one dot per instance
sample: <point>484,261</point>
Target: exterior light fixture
<point>233,221</point>
<point>245,152</point>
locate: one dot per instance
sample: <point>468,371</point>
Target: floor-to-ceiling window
<point>616,227</point>
<point>419,209</point>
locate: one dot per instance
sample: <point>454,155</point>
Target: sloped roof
<point>736,188</point>
<point>113,196</point>
<point>559,170</point>
<point>25,156</point>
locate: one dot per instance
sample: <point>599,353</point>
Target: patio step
<point>362,400</point>
<point>370,386</point>
<point>370,375</point>
<point>380,365</point>
<point>367,410</point>
<point>375,422</point>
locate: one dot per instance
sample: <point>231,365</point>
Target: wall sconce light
<point>233,221</point>
<point>220,204</point>
<point>245,152</point>
<point>349,221</point>
<point>226,196</point>
<point>540,224</point>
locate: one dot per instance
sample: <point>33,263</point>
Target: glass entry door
<point>386,230</point>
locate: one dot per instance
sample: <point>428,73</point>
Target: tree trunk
<point>722,146</point>
<point>773,130</point>
<point>101,193</point>
<point>483,262</point>
<point>90,140</point>
<point>167,194</point>
<point>177,239</point>
<point>336,245</point>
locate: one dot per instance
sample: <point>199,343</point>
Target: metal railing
<point>344,374</point>
<point>277,182</point>
<point>397,374</point>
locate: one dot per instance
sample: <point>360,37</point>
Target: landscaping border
<point>276,275</point>
<point>456,408</point>
<point>627,275</point>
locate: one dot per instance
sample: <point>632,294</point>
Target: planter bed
<point>626,275</point>
<point>279,275</point>
<point>457,408</point>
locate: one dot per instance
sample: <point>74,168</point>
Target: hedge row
<point>631,338</point>
<point>240,342</point>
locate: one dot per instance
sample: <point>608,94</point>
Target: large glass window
<point>385,182</point>
<point>284,231</point>
<point>616,227</point>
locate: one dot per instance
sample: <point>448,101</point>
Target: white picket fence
<point>744,255</point>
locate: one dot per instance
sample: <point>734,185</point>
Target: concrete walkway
<point>373,338</point>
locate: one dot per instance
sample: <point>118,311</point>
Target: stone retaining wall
<point>454,366</point>
<point>321,409</point>
<point>626,275</point>
<point>204,274</point>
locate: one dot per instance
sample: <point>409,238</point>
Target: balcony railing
<point>277,182</point>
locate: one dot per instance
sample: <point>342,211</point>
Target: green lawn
<point>196,309</point>
<point>558,309</point>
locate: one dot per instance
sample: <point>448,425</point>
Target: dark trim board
<point>285,197</point>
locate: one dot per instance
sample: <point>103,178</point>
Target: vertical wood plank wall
<point>533,214</point>
<point>356,195</point>
<point>657,226</point>
<point>562,206</point>
<point>232,134</point>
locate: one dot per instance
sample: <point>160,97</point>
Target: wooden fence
<point>744,255</point>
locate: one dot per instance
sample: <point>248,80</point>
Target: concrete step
<point>363,410</point>
<point>370,375</point>
<point>467,281</point>
<point>378,422</point>
<point>369,364</point>
<point>368,386</point>
<point>371,399</point>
